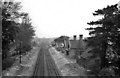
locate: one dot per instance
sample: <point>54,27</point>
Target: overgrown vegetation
<point>16,35</point>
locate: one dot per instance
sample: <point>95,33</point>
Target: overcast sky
<point>53,18</point>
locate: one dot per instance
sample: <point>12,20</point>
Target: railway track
<point>45,65</point>
<point>51,67</point>
<point>39,67</point>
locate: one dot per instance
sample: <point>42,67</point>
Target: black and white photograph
<point>60,38</point>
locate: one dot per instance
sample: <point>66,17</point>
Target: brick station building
<point>75,46</point>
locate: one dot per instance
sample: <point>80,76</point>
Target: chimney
<point>74,37</point>
<point>80,37</point>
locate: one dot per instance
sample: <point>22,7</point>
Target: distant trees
<point>15,35</point>
<point>106,35</point>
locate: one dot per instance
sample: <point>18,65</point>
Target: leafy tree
<point>25,36</point>
<point>61,38</point>
<point>14,34</point>
<point>9,26</point>
<point>107,33</point>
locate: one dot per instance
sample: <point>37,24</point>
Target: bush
<point>26,48</point>
<point>8,62</point>
<point>23,49</point>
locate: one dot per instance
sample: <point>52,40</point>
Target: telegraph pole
<point>23,21</point>
<point>20,52</point>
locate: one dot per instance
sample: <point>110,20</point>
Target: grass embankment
<point>25,68</point>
